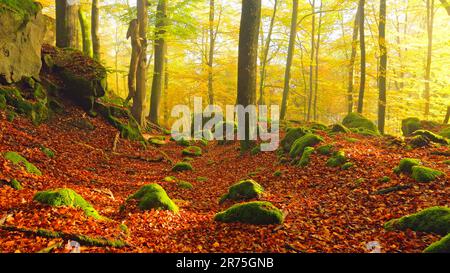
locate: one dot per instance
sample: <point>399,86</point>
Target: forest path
<point>326,209</point>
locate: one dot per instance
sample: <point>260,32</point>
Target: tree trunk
<point>85,33</point>
<point>266,54</point>
<point>316,81</point>
<point>94,30</point>
<point>383,68</point>
<point>212,41</point>
<point>160,53</point>
<point>133,34</point>
<point>362,44</point>
<point>247,63</point>
<point>291,50</point>
<point>430,23</point>
<point>72,24</point>
<point>166,93</point>
<point>446,5</point>
<point>61,35</point>
<point>141,73</point>
<point>447,116</point>
<point>311,61</point>
<point>352,62</point>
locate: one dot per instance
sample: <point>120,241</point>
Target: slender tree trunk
<point>430,23</point>
<point>61,35</point>
<point>383,68</point>
<point>265,54</point>
<point>212,42</point>
<point>311,62</point>
<point>316,81</point>
<point>447,116</point>
<point>72,24</point>
<point>85,33</point>
<point>94,29</point>
<point>305,87</point>
<point>160,54</point>
<point>166,93</point>
<point>141,80</point>
<point>352,62</point>
<point>362,44</point>
<point>133,34</point>
<point>291,51</point>
<point>247,63</point>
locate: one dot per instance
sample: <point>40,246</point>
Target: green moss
<point>256,150</point>
<point>183,142</point>
<point>306,157</point>
<point>202,179</point>
<point>319,127</point>
<point>38,112</point>
<point>410,125</point>
<point>17,159</point>
<point>192,151</point>
<point>431,136</point>
<point>278,173</point>
<point>365,132</point>
<point>441,246</point>
<point>48,152</point>
<point>182,166</point>
<point>68,198</point>
<point>15,184</point>
<point>445,132</point>
<point>352,140</point>
<point>384,179</point>
<point>157,142</point>
<point>419,142</point>
<point>291,136</point>
<point>170,179</point>
<point>24,8</point>
<point>308,140</point>
<point>185,185</point>
<point>347,166</point>
<point>433,220</point>
<point>355,120</point>
<point>406,165</point>
<point>153,196</point>
<point>338,159</point>
<point>243,190</point>
<point>10,115</point>
<point>256,213</point>
<point>2,102</point>
<point>188,159</point>
<point>326,149</point>
<point>423,174</point>
<point>339,128</point>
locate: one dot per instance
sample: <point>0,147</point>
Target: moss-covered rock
<point>291,136</point>
<point>185,185</point>
<point>431,136</point>
<point>445,132</point>
<point>326,149</point>
<point>441,246</point>
<point>2,102</point>
<point>23,8</point>
<point>153,196</point>
<point>433,220</point>
<point>66,198</point>
<point>182,166</point>
<point>256,213</point>
<point>37,111</point>
<point>384,179</point>
<point>419,142</point>
<point>355,120</point>
<point>48,152</point>
<point>306,157</point>
<point>424,174</point>
<point>338,159</point>
<point>352,140</point>
<point>278,173</point>
<point>364,132</point>
<point>319,126</point>
<point>170,179</point>
<point>243,190</point>
<point>308,140</point>
<point>192,151</point>
<point>15,184</point>
<point>339,128</point>
<point>17,159</point>
<point>410,125</point>
<point>347,166</point>
<point>406,165</point>
<point>183,142</point>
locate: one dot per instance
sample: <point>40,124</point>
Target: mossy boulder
<point>308,140</point>
<point>192,151</point>
<point>66,198</point>
<point>255,213</point>
<point>432,220</point>
<point>2,102</point>
<point>410,125</point>
<point>347,166</point>
<point>182,166</point>
<point>17,159</point>
<point>319,126</point>
<point>291,136</point>
<point>406,165</point>
<point>424,174</point>
<point>306,157</point>
<point>339,128</point>
<point>355,120</point>
<point>364,132</point>
<point>441,246</point>
<point>326,149</point>
<point>15,184</point>
<point>419,142</point>
<point>48,152</point>
<point>153,196</point>
<point>431,136</point>
<point>338,159</point>
<point>37,111</point>
<point>185,185</point>
<point>243,190</point>
<point>183,142</point>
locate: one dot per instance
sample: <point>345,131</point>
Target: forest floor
<point>327,209</point>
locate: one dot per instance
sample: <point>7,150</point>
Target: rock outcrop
<point>22,29</point>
